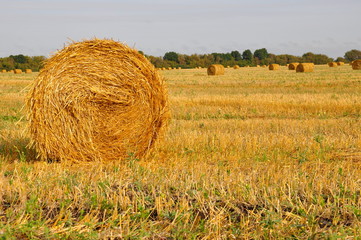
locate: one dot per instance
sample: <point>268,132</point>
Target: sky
<point>41,27</point>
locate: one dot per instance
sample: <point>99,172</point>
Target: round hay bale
<point>18,71</point>
<point>356,65</point>
<point>332,64</point>
<point>96,100</point>
<point>215,69</point>
<point>292,66</point>
<point>340,63</point>
<point>236,67</point>
<point>273,67</point>
<point>305,67</point>
<point>3,71</point>
<point>28,71</point>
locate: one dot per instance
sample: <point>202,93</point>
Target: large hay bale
<point>332,64</point>
<point>18,71</point>
<point>96,100</point>
<point>305,67</point>
<point>356,65</point>
<point>292,66</point>
<point>215,69</point>
<point>274,67</point>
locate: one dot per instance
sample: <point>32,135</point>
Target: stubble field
<point>252,154</point>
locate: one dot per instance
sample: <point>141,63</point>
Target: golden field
<point>252,154</point>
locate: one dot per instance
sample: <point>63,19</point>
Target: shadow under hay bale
<point>96,100</point>
<point>215,69</point>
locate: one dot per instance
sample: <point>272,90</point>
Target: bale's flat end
<point>96,100</point>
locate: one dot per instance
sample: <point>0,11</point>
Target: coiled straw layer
<point>96,100</point>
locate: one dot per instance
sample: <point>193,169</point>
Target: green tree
<point>247,55</point>
<point>236,55</point>
<point>353,55</point>
<point>19,58</point>
<point>261,53</point>
<point>340,59</point>
<point>171,56</point>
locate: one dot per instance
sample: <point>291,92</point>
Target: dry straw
<point>215,69</point>
<point>292,66</point>
<point>356,65</point>
<point>332,64</point>
<point>96,100</point>
<point>274,67</point>
<point>305,67</point>
<point>28,71</point>
<point>18,71</point>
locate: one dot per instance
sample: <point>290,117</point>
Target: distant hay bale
<point>215,69</point>
<point>258,66</point>
<point>274,67</point>
<point>11,71</point>
<point>356,65</point>
<point>236,67</point>
<point>170,68</point>
<point>3,71</point>
<point>163,68</point>
<point>305,67</point>
<point>228,66</point>
<point>332,64</point>
<point>179,68</point>
<point>18,71</point>
<point>96,100</point>
<point>28,71</point>
<point>264,66</point>
<point>340,63</point>
<point>292,66</point>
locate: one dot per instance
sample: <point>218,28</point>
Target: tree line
<point>22,62</point>
<point>173,59</point>
<point>246,58</point>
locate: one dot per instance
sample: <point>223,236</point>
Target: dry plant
<point>305,67</point>
<point>215,69</point>
<point>292,66</point>
<point>274,67</point>
<point>248,155</point>
<point>356,65</point>
<point>96,100</point>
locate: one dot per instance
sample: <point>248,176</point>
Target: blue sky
<point>40,27</point>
